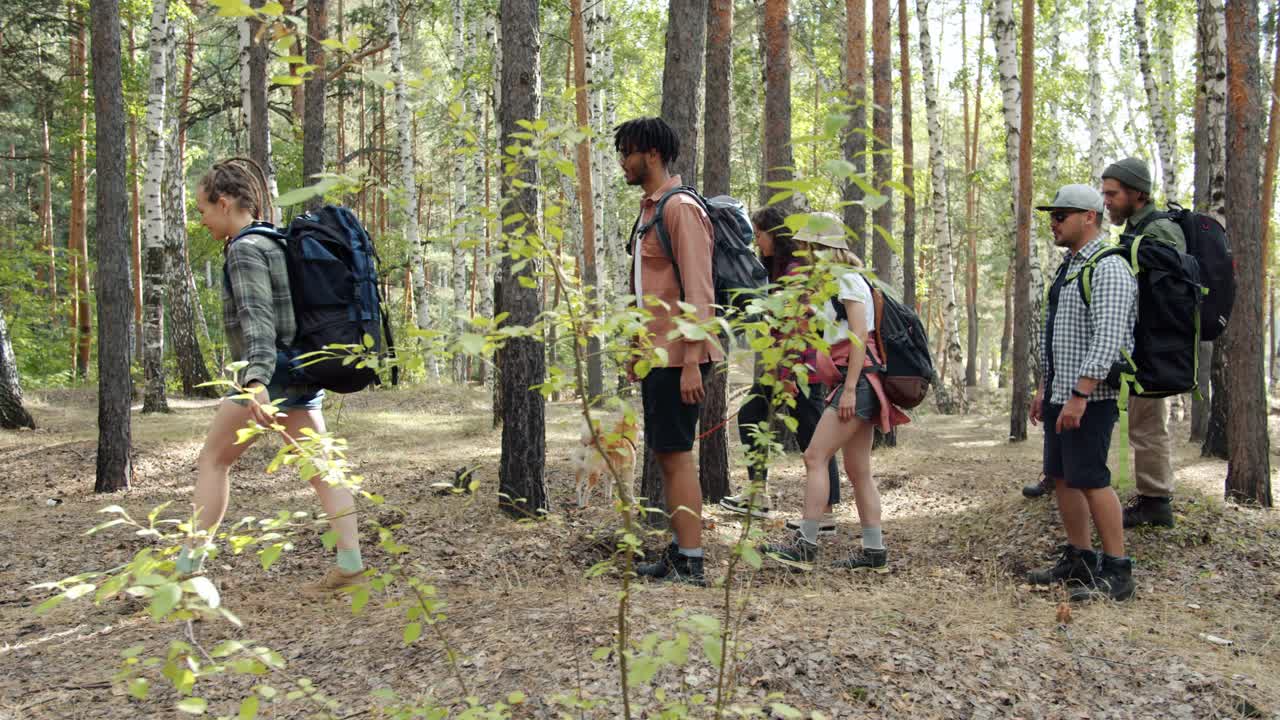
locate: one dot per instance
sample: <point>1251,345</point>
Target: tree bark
<point>161,46</point>
<point>522,490</point>
<point>778,160</point>
<point>404,125</point>
<point>461,203</point>
<point>713,450</point>
<point>135,213</point>
<point>115,299</point>
<point>77,235</point>
<point>908,162</point>
<point>1210,175</point>
<point>681,79</point>
<point>882,131</point>
<point>1022,273</point>
<point>1248,467</point>
<point>971,207</point>
<point>12,413</point>
<point>950,394</point>
<point>1160,126</point>
<point>259,122</point>
<point>1269,175</point>
<point>1006,334</point>
<point>314,88</point>
<point>1097,42</point>
<point>586,200</point>
<point>855,139</point>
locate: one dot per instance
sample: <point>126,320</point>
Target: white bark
<point>461,209</point>
<point>595,18</point>
<point>951,396</point>
<point>245,104</point>
<point>161,45</point>
<point>486,276</point>
<point>1096,46</point>
<point>1215,107</point>
<point>1159,118</point>
<point>404,130</point>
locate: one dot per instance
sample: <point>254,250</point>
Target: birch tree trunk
<point>1097,161</point>
<point>461,209</point>
<point>404,126</point>
<point>161,46</point>
<point>951,393</point>
<point>12,413</point>
<point>597,18</point>
<point>1160,126</point>
<point>1212,27</point>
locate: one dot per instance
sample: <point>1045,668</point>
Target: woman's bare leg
<point>831,434</point>
<point>337,501</point>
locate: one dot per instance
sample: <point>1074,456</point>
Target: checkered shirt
<point>257,309</point>
<point>1087,340</point>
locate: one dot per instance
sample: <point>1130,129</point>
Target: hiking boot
<point>826,527</point>
<point>798,553</point>
<point>1040,488</point>
<point>877,561</point>
<point>334,581</point>
<point>1073,564</point>
<point>674,567</point>
<point>741,504</point>
<point>1148,510</point>
<point>1114,581</point>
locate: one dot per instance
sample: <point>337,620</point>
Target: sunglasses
<point>1060,216</point>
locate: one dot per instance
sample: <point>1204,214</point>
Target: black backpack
<point>906,363</point>
<point>737,273</point>
<point>1166,338</point>
<point>333,281</point>
<point>1207,243</point>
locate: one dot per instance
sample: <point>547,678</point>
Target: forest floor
<point>951,632</point>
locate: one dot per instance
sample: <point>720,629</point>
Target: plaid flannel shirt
<point>257,309</point>
<point>1087,340</point>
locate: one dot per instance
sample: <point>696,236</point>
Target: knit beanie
<point>1130,172</point>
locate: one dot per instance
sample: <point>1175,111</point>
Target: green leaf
<point>274,9</point>
<point>412,632</point>
<point>834,123</point>
<point>359,597</point>
<point>286,80</point>
<point>711,648</point>
<point>233,8</point>
<point>105,525</point>
<point>642,670</point>
<point>164,599</point>
<point>329,539</point>
<point>515,698</point>
<point>751,556</point>
<point>472,344</point>
<point>79,591</point>
<point>786,711</point>
<point>205,589</point>
<point>839,168</point>
<point>248,708</point>
<point>138,688</point>
<point>194,706</point>
<point>269,555</point>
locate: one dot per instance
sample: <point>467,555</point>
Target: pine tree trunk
<point>1022,323</point>
<point>314,88</point>
<point>681,80</point>
<point>855,139</point>
<point>259,123</point>
<point>1160,126</point>
<point>78,237</point>
<point>12,413</point>
<point>586,200</point>
<point>950,395</point>
<point>882,132</point>
<point>973,133</point>
<point>135,214</point>
<point>778,159</point>
<point>713,450</point>
<point>1269,176</point>
<point>161,46</point>
<point>1212,36</point>
<point>48,275</point>
<point>115,298</point>
<point>522,489</point>
<point>1248,467</point>
<point>908,163</point>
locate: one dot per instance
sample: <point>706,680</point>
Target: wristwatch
<point>1077,393</point>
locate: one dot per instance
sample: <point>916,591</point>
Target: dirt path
<point>950,633</point>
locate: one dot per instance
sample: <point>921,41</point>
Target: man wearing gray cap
<point>1126,189</point>
<point>1078,408</point>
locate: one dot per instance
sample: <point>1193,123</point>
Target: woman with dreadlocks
<point>258,316</point>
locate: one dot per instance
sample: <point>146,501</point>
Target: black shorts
<point>669,424</point>
<point>868,406</point>
<point>1080,456</point>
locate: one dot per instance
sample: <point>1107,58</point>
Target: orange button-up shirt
<point>692,243</point>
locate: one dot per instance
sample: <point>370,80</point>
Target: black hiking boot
<point>1074,564</point>
<point>1039,488</point>
<point>877,561</point>
<point>741,504</point>
<point>1114,581</point>
<point>1148,510</point>
<point>674,567</point>
<point>798,554</point>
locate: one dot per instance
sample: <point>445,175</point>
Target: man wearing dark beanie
<point>1126,190</point>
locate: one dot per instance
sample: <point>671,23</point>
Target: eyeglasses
<point>1060,216</point>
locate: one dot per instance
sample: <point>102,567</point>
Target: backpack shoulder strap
<point>1085,274</point>
<point>657,223</point>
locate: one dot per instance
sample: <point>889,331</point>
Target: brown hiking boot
<point>333,581</point>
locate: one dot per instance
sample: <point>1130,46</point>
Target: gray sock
<point>349,560</point>
<point>809,531</point>
<point>691,552</point>
<point>872,538</point>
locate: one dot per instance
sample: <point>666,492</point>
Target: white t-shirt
<point>852,287</point>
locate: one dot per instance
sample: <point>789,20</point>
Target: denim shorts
<point>286,397</point>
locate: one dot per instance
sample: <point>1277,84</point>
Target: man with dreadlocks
<point>672,392</point>
<point>259,321</point>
